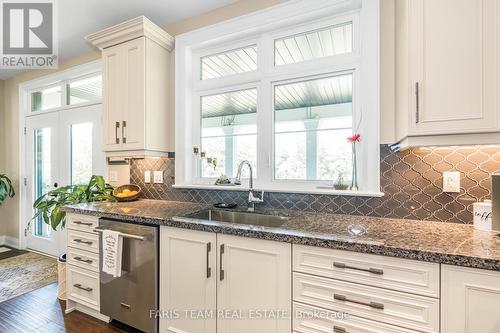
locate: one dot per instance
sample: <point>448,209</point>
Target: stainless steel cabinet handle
<point>369,270</point>
<point>338,329</point>
<point>221,272</point>
<point>124,305</point>
<point>83,223</point>
<point>417,103</point>
<point>209,270</point>
<point>124,137</point>
<point>117,126</point>
<point>82,241</point>
<point>344,298</point>
<point>88,261</point>
<point>79,286</point>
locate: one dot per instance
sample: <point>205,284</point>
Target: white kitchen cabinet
<point>187,280</point>
<point>254,276</point>
<point>447,71</point>
<point>236,278</point>
<point>136,100</point>
<point>470,300</point>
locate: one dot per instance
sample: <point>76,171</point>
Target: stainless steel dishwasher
<point>133,296</point>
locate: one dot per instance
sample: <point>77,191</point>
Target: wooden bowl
<point>130,187</point>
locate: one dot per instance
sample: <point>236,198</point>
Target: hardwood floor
<point>40,311</point>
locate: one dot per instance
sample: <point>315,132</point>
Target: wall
<point>411,180</point>
<point>9,217</point>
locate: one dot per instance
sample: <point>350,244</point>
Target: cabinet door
<point>470,300</point>
<point>113,97</point>
<point>454,61</point>
<point>254,276</point>
<point>187,281</point>
<point>134,109</point>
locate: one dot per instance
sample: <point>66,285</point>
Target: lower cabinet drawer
<point>83,240</point>
<point>83,286</point>
<point>396,308</point>
<point>83,259</point>
<point>309,319</point>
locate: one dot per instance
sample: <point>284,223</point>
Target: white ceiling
<point>78,18</point>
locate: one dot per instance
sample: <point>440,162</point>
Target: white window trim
<point>61,78</point>
<point>261,28</point>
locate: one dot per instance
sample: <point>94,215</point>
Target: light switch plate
<point>451,181</point>
<point>147,177</point>
<point>158,177</point>
<point>112,176</point>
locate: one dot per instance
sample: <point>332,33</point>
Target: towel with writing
<point>112,253</point>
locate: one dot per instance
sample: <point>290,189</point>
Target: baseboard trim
<point>9,241</point>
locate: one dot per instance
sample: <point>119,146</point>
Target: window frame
<point>191,47</point>
<point>63,84</point>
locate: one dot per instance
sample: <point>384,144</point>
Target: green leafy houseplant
<point>6,188</point>
<point>49,205</point>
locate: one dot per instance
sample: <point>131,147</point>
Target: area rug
<point>25,273</point>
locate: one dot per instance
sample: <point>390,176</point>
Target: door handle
<point>117,126</point>
<point>344,298</point>
<point>209,270</point>
<point>79,286</point>
<point>125,305</point>
<point>81,241</point>
<point>56,185</point>
<point>124,137</point>
<point>221,272</point>
<point>87,261</point>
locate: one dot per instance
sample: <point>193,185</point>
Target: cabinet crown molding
<point>134,28</point>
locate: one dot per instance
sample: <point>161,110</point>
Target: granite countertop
<point>439,242</point>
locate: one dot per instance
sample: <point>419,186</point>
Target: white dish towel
<point>112,253</point>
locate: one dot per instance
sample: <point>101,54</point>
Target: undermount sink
<point>240,218</point>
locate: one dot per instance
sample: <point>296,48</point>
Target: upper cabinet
<point>447,72</point>
<point>136,117</point>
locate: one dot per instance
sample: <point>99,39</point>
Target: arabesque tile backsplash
<point>411,181</point>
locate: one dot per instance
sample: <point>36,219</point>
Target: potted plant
<point>49,205</point>
<point>6,188</point>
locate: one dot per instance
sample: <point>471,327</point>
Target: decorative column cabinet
<point>136,115</point>
<point>447,72</point>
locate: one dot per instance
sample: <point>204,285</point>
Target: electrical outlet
<point>147,177</point>
<point>451,181</point>
<point>158,177</point>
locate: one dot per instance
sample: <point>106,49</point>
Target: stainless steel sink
<point>240,218</point>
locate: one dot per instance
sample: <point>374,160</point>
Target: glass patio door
<point>63,148</point>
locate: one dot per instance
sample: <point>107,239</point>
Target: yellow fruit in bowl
<point>133,193</point>
<point>126,191</point>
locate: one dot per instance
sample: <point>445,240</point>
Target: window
<point>228,132</point>
<point>84,90</point>
<point>312,120</point>
<point>311,45</point>
<point>79,91</point>
<point>46,99</point>
<point>284,89</point>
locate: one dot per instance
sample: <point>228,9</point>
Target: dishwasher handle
<point>124,235</point>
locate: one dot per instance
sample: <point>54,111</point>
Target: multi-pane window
<point>74,92</point>
<point>228,131</point>
<point>284,98</point>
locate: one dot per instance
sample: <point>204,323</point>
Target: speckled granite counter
<point>439,242</point>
